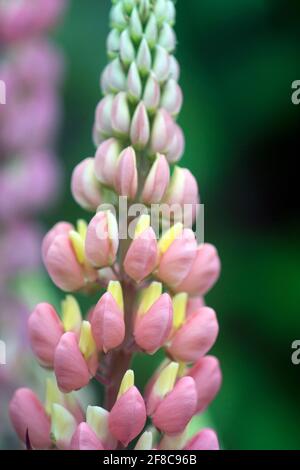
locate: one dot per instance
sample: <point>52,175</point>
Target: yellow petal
<point>63,424</point>
<point>179,309</point>
<point>149,296</point>
<point>97,419</point>
<point>166,380</point>
<point>169,237</point>
<point>87,344</point>
<point>82,228</point>
<point>142,225</point>
<point>127,383</point>
<point>115,289</point>
<point>78,246</point>
<point>71,314</point>
<point>53,395</point>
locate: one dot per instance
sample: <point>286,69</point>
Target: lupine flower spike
<point>150,285</point>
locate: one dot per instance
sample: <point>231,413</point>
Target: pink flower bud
<point>176,410</point>
<point>108,323</point>
<point>113,78</point>
<point>194,304</point>
<point>208,377</point>
<point>203,273</point>
<point>160,385</point>
<point>28,415</point>
<point>151,96</point>
<point>157,181</point>
<point>162,131</point>
<point>126,177</point>
<point>120,115</point>
<point>204,440</point>
<point>85,439</point>
<point>177,260</point>
<point>183,190</point>
<point>106,161</point>
<point>61,228</point>
<point>103,116</point>
<point>172,97</point>
<point>70,368</point>
<point>195,338</point>
<point>176,145</point>
<point>101,244</point>
<point>63,266</point>
<point>153,328</point>
<point>134,83</point>
<point>140,127</point>
<point>142,256</point>
<point>128,416</point>
<point>84,185</point>
<point>45,331</point>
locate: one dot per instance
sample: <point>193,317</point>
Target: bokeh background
<point>239,59</point>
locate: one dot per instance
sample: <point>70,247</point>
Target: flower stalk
<point>154,287</point>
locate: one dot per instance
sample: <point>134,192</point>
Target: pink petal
<point>174,413</point>
<point>70,367</point>
<point>85,439</point>
<point>28,414</point>
<point>45,331</point>
<point>128,416</point>
<point>195,338</point>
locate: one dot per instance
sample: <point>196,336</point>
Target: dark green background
<point>238,58</point>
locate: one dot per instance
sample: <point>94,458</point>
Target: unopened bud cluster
<point>153,288</point>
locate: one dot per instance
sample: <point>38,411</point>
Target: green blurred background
<point>238,61</point>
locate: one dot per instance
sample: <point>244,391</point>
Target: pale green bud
<point>144,9</point>
<point>161,64</point>
<point>160,10</point>
<point>172,97</point>
<point>113,43</point>
<point>129,5</point>
<point>116,76</point>
<point>117,17</point>
<point>171,12</point>
<point>145,442</point>
<point>104,81</point>
<point>136,28</point>
<point>151,32</point>
<point>174,69</point>
<point>167,38</point>
<point>144,59</point>
<point>127,51</point>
